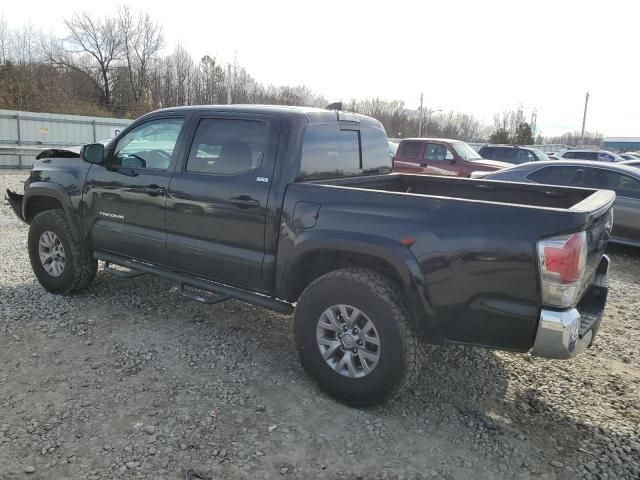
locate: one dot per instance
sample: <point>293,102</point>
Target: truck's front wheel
<point>61,264</point>
<point>355,336</point>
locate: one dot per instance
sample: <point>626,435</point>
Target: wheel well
<point>40,204</point>
<point>316,264</point>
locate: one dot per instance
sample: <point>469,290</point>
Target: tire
<point>380,301</point>
<point>78,266</point>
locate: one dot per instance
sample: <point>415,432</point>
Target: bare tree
<point>4,41</point>
<point>142,40</point>
<point>93,46</point>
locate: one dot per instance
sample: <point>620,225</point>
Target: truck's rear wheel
<point>355,336</point>
<point>61,264</point>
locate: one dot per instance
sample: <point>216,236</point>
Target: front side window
<point>328,152</point>
<point>225,146</point>
<point>435,152</point>
<point>525,156</point>
<point>623,185</point>
<point>540,155</point>
<point>150,145</point>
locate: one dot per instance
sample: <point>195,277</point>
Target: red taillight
<point>565,261</point>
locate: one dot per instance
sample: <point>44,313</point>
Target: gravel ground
<point>130,380</point>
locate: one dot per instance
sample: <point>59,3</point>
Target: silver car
<point>623,179</point>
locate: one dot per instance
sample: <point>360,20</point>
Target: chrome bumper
<point>565,333</point>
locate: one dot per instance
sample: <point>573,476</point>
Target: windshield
<point>465,151</point>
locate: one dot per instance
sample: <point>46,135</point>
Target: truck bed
<point>474,241</point>
<point>465,189</point>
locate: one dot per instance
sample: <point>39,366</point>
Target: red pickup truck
<point>441,156</point>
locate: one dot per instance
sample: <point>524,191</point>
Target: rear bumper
<point>15,200</point>
<point>565,333</point>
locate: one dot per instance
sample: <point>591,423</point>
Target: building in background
<point>621,144</point>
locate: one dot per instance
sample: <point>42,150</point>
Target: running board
<point>199,283</point>
<point>121,273</point>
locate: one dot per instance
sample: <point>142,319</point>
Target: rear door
<point>217,199</point>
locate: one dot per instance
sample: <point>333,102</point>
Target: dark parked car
<point>513,154</point>
<point>441,156</point>
<point>622,179</point>
<point>630,156</point>
<point>284,207</point>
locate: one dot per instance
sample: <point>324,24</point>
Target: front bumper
<point>15,200</point>
<point>566,333</point>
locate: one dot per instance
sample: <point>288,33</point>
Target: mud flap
<point>15,200</point>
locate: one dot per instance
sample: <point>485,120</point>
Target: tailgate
<point>599,207</point>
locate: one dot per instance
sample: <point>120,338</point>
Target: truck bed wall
<point>483,190</point>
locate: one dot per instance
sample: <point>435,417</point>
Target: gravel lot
<point>130,380</point>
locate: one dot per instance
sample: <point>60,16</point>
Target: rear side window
<point>585,155</point>
<point>328,152</point>
<point>227,146</point>
<point>501,154</point>
<point>409,150</point>
<point>569,176</point>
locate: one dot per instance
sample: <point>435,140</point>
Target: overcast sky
<point>479,57</point>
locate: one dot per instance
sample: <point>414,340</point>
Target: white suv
<point>596,155</point>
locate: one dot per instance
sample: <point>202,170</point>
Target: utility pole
<point>420,121</point>
<point>584,118</point>
<point>229,84</point>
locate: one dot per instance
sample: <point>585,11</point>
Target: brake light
<point>562,268</point>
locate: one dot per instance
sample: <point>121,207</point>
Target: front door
<point>125,198</point>
<point>626,225</point>
<point>217,203</point>
<point>438,160</point>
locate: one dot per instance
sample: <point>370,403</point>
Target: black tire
<point>383,302</point>
<point>80,267</point>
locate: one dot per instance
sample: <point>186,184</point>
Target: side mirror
<point>449,157</point>
<point>93,153</point>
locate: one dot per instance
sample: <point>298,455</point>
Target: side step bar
<point>120,273</point>
<point>206,285</point>
<point>210,299</point>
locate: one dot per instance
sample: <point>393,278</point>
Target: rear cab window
<point>329,151</point>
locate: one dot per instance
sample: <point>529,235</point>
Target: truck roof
<point>312,114</point>
<point>432,139</point>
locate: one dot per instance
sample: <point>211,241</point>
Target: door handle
<point>154,189</point>
<point>244,201</point>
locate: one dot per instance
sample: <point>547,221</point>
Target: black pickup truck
<point>288,207</point>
